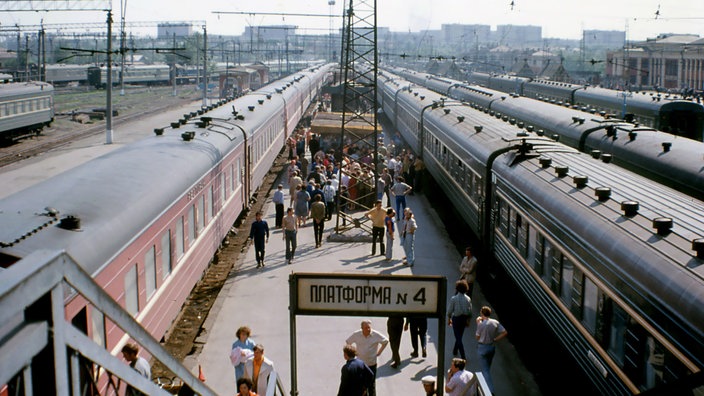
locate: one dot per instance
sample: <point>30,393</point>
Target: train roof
<point>115,197</point>
<point>662,267</point>
<point>24,88</point>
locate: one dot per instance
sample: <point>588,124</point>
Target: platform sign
<point>373,295</point>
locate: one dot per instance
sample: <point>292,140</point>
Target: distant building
<point>519,36</point>
<point>168,30</point>
<point>278,33</point>
<point>669,61</point>
<point>604,38</point>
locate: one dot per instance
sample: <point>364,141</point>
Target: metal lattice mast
<point>358,135</point>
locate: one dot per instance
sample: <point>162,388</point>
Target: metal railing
<point>50,355</point>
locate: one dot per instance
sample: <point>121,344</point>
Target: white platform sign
<point>370,294</point>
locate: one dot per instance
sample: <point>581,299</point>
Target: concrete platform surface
<point>259,298</point>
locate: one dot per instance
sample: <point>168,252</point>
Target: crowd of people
<point>347,179</point>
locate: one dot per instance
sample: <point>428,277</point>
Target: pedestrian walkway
<point>259,298</point>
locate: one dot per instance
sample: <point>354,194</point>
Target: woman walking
<point>458,313</point>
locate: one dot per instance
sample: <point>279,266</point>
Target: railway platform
<point>259,298</point>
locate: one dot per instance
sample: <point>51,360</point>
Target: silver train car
<point>25,109</point>
<point>611,261</point>
<point>666,158</point>
<point>64,74</point>
<point>146,219</point>
<point>134,74</point>
<point>664,112</point>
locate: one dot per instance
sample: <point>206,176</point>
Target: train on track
<point>146,219</point>
<point>665,112</point>
<point>25,109</point>
<point>612,261</point>
<point>133,74</point>
<point>666,158</point>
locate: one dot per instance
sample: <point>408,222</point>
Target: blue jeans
<point>458,325</point>
<point>400,202</point>
<point>290,244</point>
<point>486,355</point>
<point>408,243</point>
<point>389,246</point>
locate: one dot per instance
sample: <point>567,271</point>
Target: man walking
<point>370,343</point>
<point>356,377</point>
<point>278,200</point>
<point>317,212</point>
<point>290,226</point>
<point>259,236</point>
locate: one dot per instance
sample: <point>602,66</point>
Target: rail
<point>49,354</point>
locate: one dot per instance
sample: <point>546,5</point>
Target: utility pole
<point>108,84</point>
<point>205,67</point>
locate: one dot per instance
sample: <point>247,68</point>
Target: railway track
<point>61,135</point>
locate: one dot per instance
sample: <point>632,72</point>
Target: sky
<point>559,19</point>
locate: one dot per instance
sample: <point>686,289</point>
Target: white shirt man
<point>460,382</point>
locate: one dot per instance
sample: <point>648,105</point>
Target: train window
<point>239,172</point>
<point>201,215</point>
<point>590,301</point>
<point>191,225</point>
<point>97,321</point>
<point>617,330</point>
<point>233,179</point>
<point>531,241</point>
<point>166,254</point>
<point>567,272</point>
<point>131,291</point>
<point>516,222</point>
<point>539,262</point>
<point>504,213</point>
<point>211,195</point>
<point>577,288</point>
<point>223,189</point>
<point>522,236</point>
<point>555,271</point>
<point>180,246</point>
<point>150,271</point>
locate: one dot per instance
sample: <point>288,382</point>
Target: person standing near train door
<point>489,331</point>
<point>468,269</point>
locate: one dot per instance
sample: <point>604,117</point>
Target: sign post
<point>367,295</point>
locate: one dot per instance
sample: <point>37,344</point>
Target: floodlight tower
<point>359,76</point>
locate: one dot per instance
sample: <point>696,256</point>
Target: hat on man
<point>428,380</point>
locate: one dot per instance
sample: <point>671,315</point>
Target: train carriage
<point>669,113</point>
<point>611,261</point>
<point>25,109</point>
<point>146,219</point>
<point>666,158</point>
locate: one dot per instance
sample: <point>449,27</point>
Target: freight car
<point>611,261</point>
<point>145,220</point>
<point>25,109</point>
<point>664,112</point>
